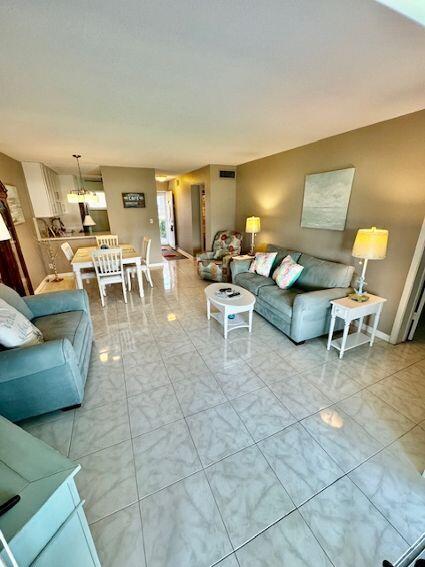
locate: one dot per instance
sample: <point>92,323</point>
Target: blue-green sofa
<point>48,376</point>
<point>302,312</point>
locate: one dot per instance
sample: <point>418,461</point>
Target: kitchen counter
<point>74,236</point>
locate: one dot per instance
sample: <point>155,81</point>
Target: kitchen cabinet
<point>44,189</point>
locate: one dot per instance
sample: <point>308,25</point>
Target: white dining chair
<point>109,270</point>
<point>110,240</point>
<point>86,274</point>
<point>146,255</point>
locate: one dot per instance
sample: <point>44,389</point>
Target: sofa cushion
<point>280,299</point>
<point>253,282</point>
<point>15,300</point>
<point>73,325</point>
<point>323,274</point>
<point>281,254</point>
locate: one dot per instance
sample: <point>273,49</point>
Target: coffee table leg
<point>225,322</point>
<point>250,319</point>
<point>208,309</point>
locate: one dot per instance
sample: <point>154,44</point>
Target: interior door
<point>171,233</point>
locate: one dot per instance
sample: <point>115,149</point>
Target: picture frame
<point>326,199</point>
<point>133,200</point>
<point>14,204</point>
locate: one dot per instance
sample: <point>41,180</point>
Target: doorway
<point>166,218</point>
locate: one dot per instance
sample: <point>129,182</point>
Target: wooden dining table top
<point>83,254</point>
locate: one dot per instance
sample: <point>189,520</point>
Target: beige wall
<point>220,205</point>
<point>388,192</point>
<point>132,224</point>
<point>222,201</point>
<point>11,173</point>
<point>184,209</point>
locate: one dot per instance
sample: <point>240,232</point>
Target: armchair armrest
<point>205,256</point>
<point>312,310</point>
<point>58,302</point>
<point>25,361</point>
<point>239,266</point>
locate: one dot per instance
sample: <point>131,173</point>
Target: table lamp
<point>88,222</point>
<point>4,232</point>
<point>370,244</point>
<point>253,227</point>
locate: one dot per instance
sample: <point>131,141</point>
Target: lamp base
<point>359,297</point>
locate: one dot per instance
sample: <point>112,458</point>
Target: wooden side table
<point>350,310</point>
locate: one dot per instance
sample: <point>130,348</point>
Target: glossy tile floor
<point>196,452</point>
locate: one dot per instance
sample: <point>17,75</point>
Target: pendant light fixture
<point>81,195</point>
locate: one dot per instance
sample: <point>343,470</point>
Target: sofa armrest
<point>313,307</point>
<point>58,302</point>
<point>239,266</point>
<point>205,256</point>
<point>25,361</point>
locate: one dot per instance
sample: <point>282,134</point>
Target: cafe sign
<point>133,200</point>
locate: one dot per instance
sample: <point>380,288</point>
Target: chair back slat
<point>110,240</point>
<point>147,249</point>
<point>108,262</point>
<point>67,250</point>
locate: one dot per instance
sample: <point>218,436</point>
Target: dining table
<point>83,259</point>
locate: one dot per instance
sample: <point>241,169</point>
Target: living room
<point>235,377</point>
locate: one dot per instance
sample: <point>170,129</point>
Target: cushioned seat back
<point>323,274</point>
<point>227,242</point>
<point>281,254</point>
<point>15,300</point>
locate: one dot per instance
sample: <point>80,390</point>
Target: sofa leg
<point>69,408</point>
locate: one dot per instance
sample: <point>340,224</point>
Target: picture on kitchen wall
<point>14,205</point>
<point>133,200</point>
<point>326,198</point>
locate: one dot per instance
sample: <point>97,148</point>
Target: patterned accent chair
<point>215,265</point>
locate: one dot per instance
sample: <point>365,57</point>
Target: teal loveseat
<point>302,312</point>
<point>48,376</point>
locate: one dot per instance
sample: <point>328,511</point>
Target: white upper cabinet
<point>44,189</point>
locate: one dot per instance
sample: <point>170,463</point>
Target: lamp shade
<point>371,243</point>
<point>88,221</point>
<point>253,225</point>
<point>4,233</point>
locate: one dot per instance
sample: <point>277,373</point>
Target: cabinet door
<point>69,547</point>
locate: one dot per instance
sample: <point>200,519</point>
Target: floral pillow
<point>263,263</point>
<point>287,273</point>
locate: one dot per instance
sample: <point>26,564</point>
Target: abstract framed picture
<point>326,198</point>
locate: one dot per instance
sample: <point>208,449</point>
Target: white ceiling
<point>176,84</point>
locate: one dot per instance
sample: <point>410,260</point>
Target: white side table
<point>350,310</point>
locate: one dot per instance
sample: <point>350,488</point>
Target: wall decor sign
<point>326,198</point>
<point>133,200</point>
<point>15,206</point>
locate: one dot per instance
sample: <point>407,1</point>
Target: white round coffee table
<point>243,303</point>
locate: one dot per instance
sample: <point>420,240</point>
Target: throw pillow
<point>263,263</point>
<point>287,273</point>
<point>15,329</point>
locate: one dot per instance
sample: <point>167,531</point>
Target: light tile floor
<point>252,452</point>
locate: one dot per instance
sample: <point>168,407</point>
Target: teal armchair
<point>51,375</point>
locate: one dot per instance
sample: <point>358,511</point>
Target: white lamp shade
<point>88,221</point>
<point>253,225</point>
<point>4,233</point>
<point>371,243</point>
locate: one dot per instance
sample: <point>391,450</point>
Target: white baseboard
<point>48,278</point>
<point>184,253</point>
<point>381,335</point>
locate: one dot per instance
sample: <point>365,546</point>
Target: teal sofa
<point>48,376</point>
<point>302,312</point>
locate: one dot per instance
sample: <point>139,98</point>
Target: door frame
<point>398,333</point>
